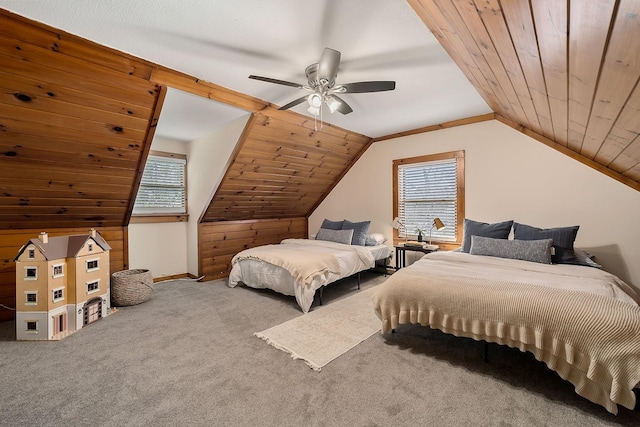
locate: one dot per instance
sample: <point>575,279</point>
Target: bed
<point>583,322</point>
<point>299,267</point>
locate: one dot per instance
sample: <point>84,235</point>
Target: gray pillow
<point>526,250</point>
<point>360,230</point>
<point>563,238</point>
<point>338,236</point>
<point>331,225</point>
<point>498,230</point>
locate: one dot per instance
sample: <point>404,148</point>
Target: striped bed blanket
<point>589,339</point>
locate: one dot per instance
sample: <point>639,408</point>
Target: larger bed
<point>583,322</point>
<point>299,267</point>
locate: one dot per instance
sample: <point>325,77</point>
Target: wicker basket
<point>131,287</point>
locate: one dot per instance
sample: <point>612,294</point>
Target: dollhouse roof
<point>64,246</point>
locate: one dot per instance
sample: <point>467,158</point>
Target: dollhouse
<point>62,285</point>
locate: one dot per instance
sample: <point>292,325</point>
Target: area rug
<point>320,336</point>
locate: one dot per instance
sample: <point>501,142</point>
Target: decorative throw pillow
<point>578,257</point>
<point>498,230</point>
<point>375,239</point>
<point>359,231</point>
<point>331,225</point>
<point>563,238</point>
<point>338,236</point>
<point>526,250</point>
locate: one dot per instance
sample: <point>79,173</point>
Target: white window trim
<point>53,268</point>
<point>95,290</point>
<point>26,297</point>
<point>97,260</point>
<point>53,292</point>
<point>26,277</point>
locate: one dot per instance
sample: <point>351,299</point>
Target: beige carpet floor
<point>188,357</point>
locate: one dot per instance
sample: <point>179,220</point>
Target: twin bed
<point>531,293</point>
<point>300,267</point>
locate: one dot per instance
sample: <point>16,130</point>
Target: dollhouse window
<point>58,270</point>
<point>30,273</point>
<point>32,253</point>
<point>31,298</point>
<point>92,265</point>
<point>93,287</point>
<point>58,294</point>
<point>32,326</point>
<point>90,247</point>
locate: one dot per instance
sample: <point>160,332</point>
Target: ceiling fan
<point>321,77</point>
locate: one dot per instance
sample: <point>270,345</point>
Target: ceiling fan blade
<point>328,67</point>
<point>344,108</point>
<point>294,103</point>
<point>276,81</point>
<point>363,87</point>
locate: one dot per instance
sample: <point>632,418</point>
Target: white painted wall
<point>507,176</point>
<point>172,248</point>
<point>148,246</point>
<point>207,158</point>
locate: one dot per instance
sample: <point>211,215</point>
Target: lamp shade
<point>396,223</point>
<point>438,224</point>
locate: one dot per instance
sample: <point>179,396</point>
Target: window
<point>58,270</point>
<point>93,286</point>
<point>163,187</point>
<point>32,326</point>
<point>30,273</point>
<point>92,265</point>
<point>31,298</point>
<point>429,187</point>
<point>32,253</point>
<point>90,247</point>
<point>58,294</point>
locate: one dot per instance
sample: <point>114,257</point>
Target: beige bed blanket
<point>305,259</point>
<point>591,340</point>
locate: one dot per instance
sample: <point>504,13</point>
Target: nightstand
<point>401,254</point>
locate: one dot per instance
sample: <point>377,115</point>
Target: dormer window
<point>32,253</point>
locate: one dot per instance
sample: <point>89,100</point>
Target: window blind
<point>162,188</point>
<point>426,191</point>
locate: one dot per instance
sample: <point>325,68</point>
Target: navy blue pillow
<point>498,230</point>
<point>563,238</point>
<point>360,230</point>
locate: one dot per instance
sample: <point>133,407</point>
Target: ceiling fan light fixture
<point>313,110</point>
<point>333,104</point>
<point>315,100</point>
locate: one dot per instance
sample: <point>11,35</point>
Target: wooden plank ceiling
<point>567,71</point>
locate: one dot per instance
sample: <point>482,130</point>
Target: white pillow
<point>375,239</point>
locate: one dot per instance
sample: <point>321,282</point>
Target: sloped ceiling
<point>567,71</point>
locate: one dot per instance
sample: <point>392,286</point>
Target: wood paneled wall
<point>12,240</point>
<point>220,241</point>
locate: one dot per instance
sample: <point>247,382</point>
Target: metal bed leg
<point>320,294</point>
<point>358,280</point>
<point>486,352</point>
